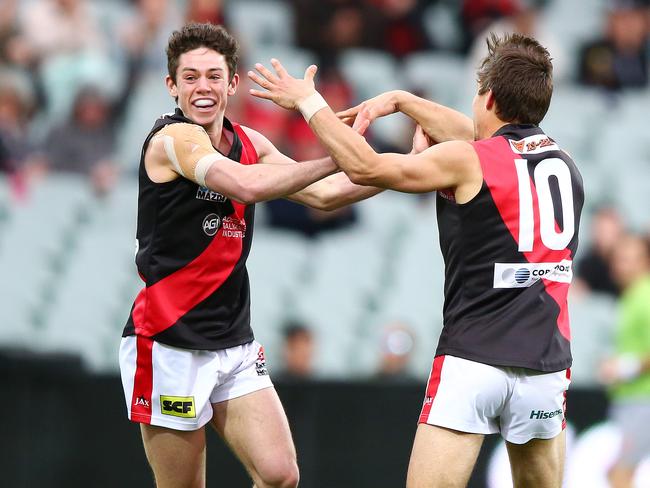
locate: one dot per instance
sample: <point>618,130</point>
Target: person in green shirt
<point>627,373</point>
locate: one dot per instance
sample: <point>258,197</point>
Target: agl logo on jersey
<point>211,224</point>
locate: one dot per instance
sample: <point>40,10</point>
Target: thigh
<point>177,458</point>
<point>464,395</point>
<point>442,457</point>
<point>256,428</point>
<point>167,386</point>
<point>539,463</point>
<point>536,408</point>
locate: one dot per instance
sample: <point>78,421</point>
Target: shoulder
<point>260,143</point>
<point>456,152</point>
<point>183,130</point>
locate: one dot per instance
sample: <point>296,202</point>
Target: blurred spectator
<point>477,15</point>
<point>330,26</point>
<point>62,26</point>
<point>144,36</point>
<point>85,143</point>
<point>397,346</point>
<point>593,268</point>
<point>19,155</point>
<point>402,29</point>
<point>297,352</point>
<point>619,59</point>
<point>628,371</point>
<point>15,49</point>
<point>524,19</point>
<point>204,11</point>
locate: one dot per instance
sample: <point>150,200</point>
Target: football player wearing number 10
<point>508,204</point>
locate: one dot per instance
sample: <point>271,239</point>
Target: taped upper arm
<point>189,150</point>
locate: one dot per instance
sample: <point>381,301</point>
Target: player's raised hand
<point>280,87</point>
<point>379,106</point>
<point>421,141</point>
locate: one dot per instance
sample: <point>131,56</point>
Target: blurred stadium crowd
<point>81,82</point>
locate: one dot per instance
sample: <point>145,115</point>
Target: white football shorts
<point>175,388</point>
<point>473,397</point>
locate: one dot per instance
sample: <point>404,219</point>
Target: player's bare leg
<point>256,428</point>
<point>539,463</point>
<point>621,476</point>
<point>177,458</point>
<point>442,457</point>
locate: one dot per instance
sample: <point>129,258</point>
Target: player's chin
<point>202,116</point>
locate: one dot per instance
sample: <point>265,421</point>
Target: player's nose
<point>203,84</point>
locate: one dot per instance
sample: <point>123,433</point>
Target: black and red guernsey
<point>192,246</point>
<point>509,254</point>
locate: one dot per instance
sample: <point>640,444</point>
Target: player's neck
<point>220,138</point>
<point>492,125</point>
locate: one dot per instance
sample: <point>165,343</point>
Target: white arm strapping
<point>203,165</point>
<point>171,153</point>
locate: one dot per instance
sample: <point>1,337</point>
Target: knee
<point>279,475</point>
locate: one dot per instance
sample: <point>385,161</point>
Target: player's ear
<point>171,86</point>
<point>489,100</point>
<point>232,86</point>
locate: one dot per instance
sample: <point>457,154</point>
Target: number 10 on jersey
<point>550,237</point>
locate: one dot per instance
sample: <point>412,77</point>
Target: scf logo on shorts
<point>211,224</point>
<point>177,406</point>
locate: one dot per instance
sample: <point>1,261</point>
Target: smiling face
<point>203,85</point>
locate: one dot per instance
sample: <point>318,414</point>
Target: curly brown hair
<point>194,35</point>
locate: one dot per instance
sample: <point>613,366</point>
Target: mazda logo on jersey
<point>177,406</point>
<point>211,224</point>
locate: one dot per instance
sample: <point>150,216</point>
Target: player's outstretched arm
<point>186,150</point>
<point>445,165</point>
<point>330,193</point>
<point>439,122</point>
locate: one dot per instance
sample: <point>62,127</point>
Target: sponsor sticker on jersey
<point>523,275</point>
<point>177,406</point>
<point>536,144</point>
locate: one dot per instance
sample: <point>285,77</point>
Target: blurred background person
<point>618,58</point>
<point>86,142</point>
<point>20,155</point>
<point>298,345</point>
<point>627,373</point>
<point>593,268</point>
<point>396,352</point>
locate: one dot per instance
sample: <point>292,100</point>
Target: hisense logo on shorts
<point>543,414</point>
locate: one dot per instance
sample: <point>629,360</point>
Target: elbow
<point>364,170</point>
<point>364,178</point>
<point>329,204</point>
<point>246,193</point>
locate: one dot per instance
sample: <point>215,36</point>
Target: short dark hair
<point>193,36</point>
<point>519,72</point>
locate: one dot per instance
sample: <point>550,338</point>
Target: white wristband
<point>310,105</point>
